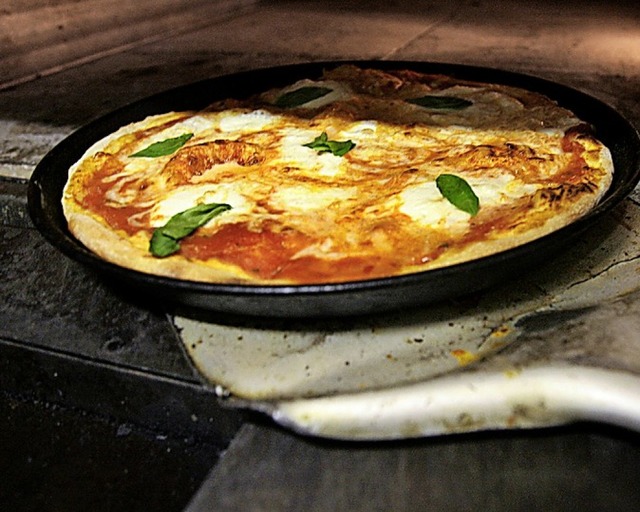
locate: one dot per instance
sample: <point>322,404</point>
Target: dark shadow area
<point>84,92</point>
<point>584,467</point>
<point>54,458</point>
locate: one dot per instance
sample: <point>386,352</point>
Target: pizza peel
<point>326,300</point>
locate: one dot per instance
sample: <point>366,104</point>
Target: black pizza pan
<point>326,300</point>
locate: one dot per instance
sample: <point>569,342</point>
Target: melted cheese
<point>293,153</point>
<point>235,194</point>
<point>425,205</point>
<point>236,122</point>
<point>301,198</point>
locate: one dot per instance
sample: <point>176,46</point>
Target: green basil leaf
<point>340,148</point>
<point>322,144</point>
<point>441,102</point>
<point>164,147</point>
<point>162,245</point>
<point>165,239</point>
<point>301,96</point>
<point>458,192</point>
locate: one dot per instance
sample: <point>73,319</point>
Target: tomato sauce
<point>97,186</point>
<point>270,254</point>
<point>311,269</point>
<point>263,254</point>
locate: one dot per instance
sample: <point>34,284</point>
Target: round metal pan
<point>326,300</point>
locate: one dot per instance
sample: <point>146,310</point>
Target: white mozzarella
<point>329,165</point>
<point>425,205</point>
<point>497,190</point>
<point>360,130</point>
<point>233,121</point>
<point>187,197</point>
<point>294,153</point>
<point>306,198</point>
<point>194,124</point>
<point>139,166</point>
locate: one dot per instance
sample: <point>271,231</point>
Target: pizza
<point>357,174</point>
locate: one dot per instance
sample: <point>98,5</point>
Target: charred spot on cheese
<point>196,159</point>
<point>518,158</point>
<point>554,197</point>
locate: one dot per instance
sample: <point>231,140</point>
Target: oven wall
<point>42,36</point>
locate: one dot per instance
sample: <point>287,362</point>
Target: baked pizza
<point>357,174</point>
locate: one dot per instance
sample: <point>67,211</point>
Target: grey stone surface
<point>51,302</point>
<point>553,470</point>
